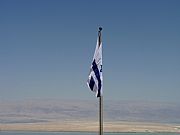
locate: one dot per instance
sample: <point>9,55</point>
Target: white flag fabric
<point>95,79</point>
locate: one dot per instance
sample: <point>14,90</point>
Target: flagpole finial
<point>100,28</point>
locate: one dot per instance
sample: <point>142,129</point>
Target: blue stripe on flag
<point>96,71</point>
<point>91,83</point>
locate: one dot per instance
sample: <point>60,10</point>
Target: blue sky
<point>46,48</point>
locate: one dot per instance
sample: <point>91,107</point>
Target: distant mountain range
<point>38,111</point>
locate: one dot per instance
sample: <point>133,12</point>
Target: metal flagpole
<point>100,98</point>
<point>100,115</point>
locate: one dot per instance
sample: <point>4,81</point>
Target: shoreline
<point>82,126</point>
<point>21,131</point>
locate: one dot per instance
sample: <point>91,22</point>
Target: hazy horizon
<point>38,111</point>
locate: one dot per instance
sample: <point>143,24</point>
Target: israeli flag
<point>95,79</point>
